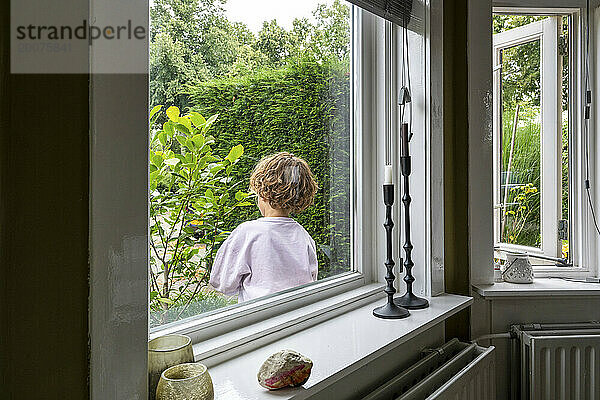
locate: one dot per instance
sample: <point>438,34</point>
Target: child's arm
<point>230,267</point>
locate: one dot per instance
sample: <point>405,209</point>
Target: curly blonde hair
<point>284,181</point>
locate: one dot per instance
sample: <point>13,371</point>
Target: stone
<point>284,368</point>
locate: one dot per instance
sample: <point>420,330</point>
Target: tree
<point>191,194</point>
<point>190,41</point>
<point>275,43</point>
<point>171,68</point>
<point>331,33</point>
<point>521,74</point>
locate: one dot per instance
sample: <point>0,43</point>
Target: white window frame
<point>583,240</point>
<point>366,258</point>
<point>546,31</point>
<point>234,317</point>
<point>119,253</point>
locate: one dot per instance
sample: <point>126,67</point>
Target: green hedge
<point>304,109</point>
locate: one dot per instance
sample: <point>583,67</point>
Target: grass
<point>526,170</point>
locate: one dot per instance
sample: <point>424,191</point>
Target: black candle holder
<point>409,300</point>
<point>390,310</point>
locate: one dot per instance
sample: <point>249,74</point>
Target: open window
<point>532,129</point>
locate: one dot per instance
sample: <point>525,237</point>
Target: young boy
<point>272,253</point>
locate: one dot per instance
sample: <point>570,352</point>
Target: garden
<point>222,97</point>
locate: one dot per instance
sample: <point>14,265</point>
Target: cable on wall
<point>405,97</point>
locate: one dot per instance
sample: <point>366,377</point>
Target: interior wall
<point>43,231</point>
<point>456,144</point>
<point>498,314</point>
<point>44,218</point>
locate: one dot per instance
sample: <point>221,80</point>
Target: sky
<point>254,12</point>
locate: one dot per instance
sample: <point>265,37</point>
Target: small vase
<point>164,352</point>
<point>517,269</point>
<point>185,382</point>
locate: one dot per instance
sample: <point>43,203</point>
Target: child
<point>272,253</point>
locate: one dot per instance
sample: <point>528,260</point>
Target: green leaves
<point>168,128</point>
<point>198,141</point>
<point>165,300</point>
<point>197,119</point>
<point>156,159</point>
<point>190,199</point>
<point>162,138</point>
<point>173,113</point>
<point>154,111</point>
<point>209,123</point>
<point>235,153</point>
<point>240,195</point>
<point>217,168</point>
<point>185,121</point>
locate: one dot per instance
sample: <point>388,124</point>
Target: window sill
<point>334,344</point>
<point>541,287</point>
<point>216,323</point>
<point>237,341</point>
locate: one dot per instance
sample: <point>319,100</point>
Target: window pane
<point>249,79</point>
<point>520,83</point>
<point>521,126</point>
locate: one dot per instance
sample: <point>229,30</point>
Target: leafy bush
<point>192,193</point>
<point>302,108</point>
<point>525,200</point>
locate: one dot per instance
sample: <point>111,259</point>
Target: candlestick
<point>405,134</point>
<point>390,310</point>
<point>388,175</point>
<point>409,300</point>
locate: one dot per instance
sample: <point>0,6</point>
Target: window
<point>119,194</point>
<point>254,80</point>
<point>534,125</point>
<point>344,63</point>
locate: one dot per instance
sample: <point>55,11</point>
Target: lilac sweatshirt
<point>264,256</point>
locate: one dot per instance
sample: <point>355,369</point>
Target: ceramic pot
<point>164,352</point>
<point>517,269</point>
<point>185,382</point>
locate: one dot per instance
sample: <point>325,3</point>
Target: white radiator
<point>455,371</point>
<point>556,361</point>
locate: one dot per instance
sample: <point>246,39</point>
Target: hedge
<point>302,108</point>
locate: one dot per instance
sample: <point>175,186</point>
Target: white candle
<point>388,175</point>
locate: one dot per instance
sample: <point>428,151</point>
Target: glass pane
<point>521,126</point>
<point>263,78</point>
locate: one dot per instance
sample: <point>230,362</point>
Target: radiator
<point>455,371</point>
<point>556,361</point>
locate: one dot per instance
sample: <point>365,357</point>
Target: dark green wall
<point>43,232</point>
<point>456,161</point>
